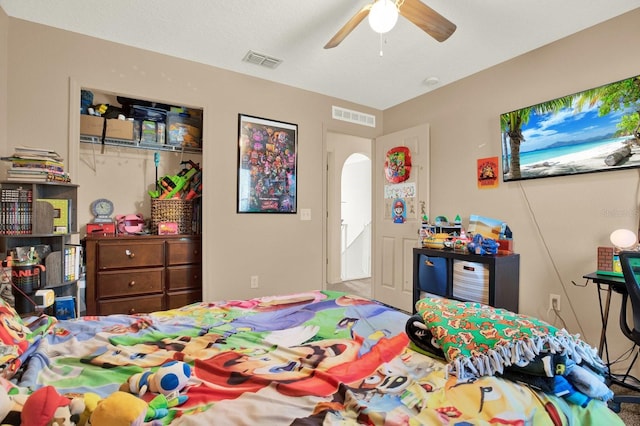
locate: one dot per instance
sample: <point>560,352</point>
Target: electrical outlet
<point>554,302</point>
<point>254,281</point>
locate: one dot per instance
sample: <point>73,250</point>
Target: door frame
<point>331,267</point>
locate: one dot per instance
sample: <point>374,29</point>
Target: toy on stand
<point>481,245</point>
<point>442,234</point>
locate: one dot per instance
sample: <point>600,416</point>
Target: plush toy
<point>46,407</point>
<point>169,379</point>
<point>119,409</point>
<point>91,401</point>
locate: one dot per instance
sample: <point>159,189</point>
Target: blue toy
<point>169,379</point>
<point>480,245</point>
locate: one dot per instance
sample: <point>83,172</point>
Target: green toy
<point>170,185</point>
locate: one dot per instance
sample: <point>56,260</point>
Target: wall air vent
<point>262,60</point>
<point>351,116</point>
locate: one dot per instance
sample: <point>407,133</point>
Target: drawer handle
<point>132,311</point>
<point>130,254</point>
<point>132,283</point>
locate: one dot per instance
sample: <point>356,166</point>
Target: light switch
<point>305,214</point>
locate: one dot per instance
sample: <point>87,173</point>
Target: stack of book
<point>36,165</point>
<point>72,262</point>
<point>15,211</point>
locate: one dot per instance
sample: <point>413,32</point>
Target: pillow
<point>480,340</point>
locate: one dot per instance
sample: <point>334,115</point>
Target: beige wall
<point>286,253</point>
<point>557,222</point>
<point>4,63</point>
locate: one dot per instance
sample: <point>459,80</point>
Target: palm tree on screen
<point>512,122</point>
<point>620,96</point>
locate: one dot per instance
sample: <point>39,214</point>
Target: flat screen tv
<point>590,131</point>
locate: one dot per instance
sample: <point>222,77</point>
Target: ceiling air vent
<point>262,60</point>
<point>351,116</point>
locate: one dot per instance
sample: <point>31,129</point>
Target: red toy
<point>46,403</point>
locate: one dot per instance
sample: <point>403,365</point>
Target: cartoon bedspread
<point>309,358</point>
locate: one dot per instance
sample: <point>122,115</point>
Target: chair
<point>630,262</point>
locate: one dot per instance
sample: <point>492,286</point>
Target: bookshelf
<point>30,215</point>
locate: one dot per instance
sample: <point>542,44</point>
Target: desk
<point>606,283</point>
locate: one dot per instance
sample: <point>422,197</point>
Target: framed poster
<point>487,172</point>
<point>267,165</point>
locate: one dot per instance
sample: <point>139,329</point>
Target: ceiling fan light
<point>383,16</point>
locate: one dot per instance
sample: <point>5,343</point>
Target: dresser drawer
<point>184,277</point>
<point>129,283</point>
<point>180,252</point>
<point>182,298</point>
<point>131,305</point>
<point>130,254</point>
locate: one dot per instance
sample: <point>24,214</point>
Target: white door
<point>394,240</point>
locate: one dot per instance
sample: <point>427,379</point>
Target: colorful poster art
<point>397,165</point>
<point>399,213</point>
<point>487,171</point>
<point>267,165</point>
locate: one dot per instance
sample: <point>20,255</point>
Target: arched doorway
<point>355,217</point>
<point>349,213</point>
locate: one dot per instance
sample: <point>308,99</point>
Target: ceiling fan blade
<point>429,21</point>
<point>348,27</point>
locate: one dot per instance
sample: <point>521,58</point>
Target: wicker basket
<point>178,211</point>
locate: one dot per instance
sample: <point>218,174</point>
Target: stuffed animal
<point>46,407</point>
<point>169,379</point>
<point>119,409</point>
<point>91,401</point>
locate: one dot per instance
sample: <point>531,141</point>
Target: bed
<point>317,357</point>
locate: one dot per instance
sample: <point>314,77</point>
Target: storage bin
<point>471,281</point>
<point>432,275</point>
<point>27,278</point>
<point>174,210</point>
<point>142,113</point>
<point>183,130</point>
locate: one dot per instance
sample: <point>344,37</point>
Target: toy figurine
<point>169,379</point>
<point>45,404</point>
<point>119,409</point>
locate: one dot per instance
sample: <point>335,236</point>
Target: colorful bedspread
<point>310,358</point>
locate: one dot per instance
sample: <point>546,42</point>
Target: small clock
<point>102,209</point>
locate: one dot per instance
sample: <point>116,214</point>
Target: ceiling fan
<point>384,13</point>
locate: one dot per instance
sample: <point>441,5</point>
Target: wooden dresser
<point>136,274</point>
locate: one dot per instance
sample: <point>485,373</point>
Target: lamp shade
<point>623,239</point>
<point>383,16</point>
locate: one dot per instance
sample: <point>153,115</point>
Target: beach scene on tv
<point>590,131</point>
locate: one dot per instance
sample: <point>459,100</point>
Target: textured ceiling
<point>220,33</point>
